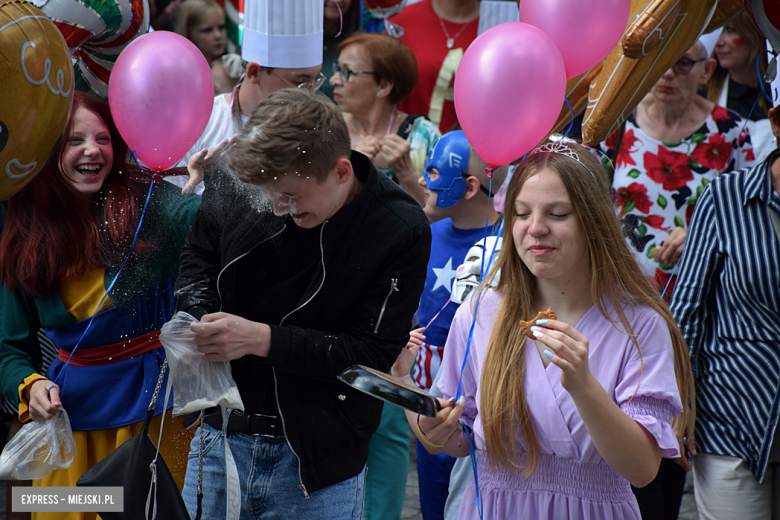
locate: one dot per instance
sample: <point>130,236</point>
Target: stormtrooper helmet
<point>467,277</point>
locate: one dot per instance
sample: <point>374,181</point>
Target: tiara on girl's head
<point>556,145</point>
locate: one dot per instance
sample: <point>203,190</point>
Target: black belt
<point>250,424</point>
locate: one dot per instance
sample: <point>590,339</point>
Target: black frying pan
<point>389,389</point>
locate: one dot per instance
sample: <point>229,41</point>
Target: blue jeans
<point>268,473</point>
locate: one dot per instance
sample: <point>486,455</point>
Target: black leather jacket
<point>357,308</point>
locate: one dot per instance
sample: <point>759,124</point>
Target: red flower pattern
<point>720,113</point>
<point>712,153</point>
<point>626,147</point>
<point>656,221</point>
<point>668,168</point>
<point>635,193</point>
<point>650,178</point>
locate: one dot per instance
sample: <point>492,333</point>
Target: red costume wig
<point>53,232</point>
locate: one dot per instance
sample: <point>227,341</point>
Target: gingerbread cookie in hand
<point>549,314</point>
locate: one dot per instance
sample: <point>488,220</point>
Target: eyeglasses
<point>318,82</point>
<point>684,65</point>
<point>346,73</point>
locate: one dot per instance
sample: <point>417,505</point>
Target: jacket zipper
<point>322,282</point>
<point>302,487</point>
<point>236,259</point>
<point>393,287</point>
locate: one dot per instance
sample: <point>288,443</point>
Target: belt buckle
<point>273,426</point>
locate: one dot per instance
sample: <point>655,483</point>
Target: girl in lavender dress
<point>564,422</point>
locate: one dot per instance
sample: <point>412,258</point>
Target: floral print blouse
<point>656,184</point>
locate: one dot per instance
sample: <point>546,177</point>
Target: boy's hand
<point>204,162</point>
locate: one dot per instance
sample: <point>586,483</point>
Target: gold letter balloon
<point>658,33</point>
<point>36,91</point>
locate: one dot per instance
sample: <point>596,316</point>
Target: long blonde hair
<point>615,277</point>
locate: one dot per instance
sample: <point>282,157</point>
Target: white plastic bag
<point>197,382</point>
<point>39,448</point>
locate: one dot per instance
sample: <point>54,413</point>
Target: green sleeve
<point>20,353</point>
<point>165,227</point>
<point>176,210</point>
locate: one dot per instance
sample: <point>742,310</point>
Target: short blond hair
<point>292,131</point>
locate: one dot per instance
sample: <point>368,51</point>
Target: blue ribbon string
<point>571,111</point>
<point>482,269</point>
<point>113,282</point>
<point>769,97</point>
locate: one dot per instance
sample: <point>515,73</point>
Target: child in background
<point>203,22</point>
<point>459,205</point>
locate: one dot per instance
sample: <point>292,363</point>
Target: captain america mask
<point>446,167</point>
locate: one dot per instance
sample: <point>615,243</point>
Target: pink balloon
<point>585,31</point>
<point>509,89</point>
<point>161,94</point>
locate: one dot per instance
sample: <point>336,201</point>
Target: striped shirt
<point>727,305</point>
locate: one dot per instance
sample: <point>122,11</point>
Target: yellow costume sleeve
<point>24,396</point>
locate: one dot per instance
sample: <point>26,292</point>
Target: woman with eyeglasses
<point>665,154</point>
<point>373,74</point>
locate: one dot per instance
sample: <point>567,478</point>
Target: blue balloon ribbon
<point>113,282</point>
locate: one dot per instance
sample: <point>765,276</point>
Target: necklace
<point>451,39</point>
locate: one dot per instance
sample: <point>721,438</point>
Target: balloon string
<point>437,314</point>
<point>571,111</point>
<point>473,457</point>
<point>155,176</point>
<point>341,19</point>
<point>761,80</point>
<point>481,277</point>
<point>113,282</point>
<point>472,451</point>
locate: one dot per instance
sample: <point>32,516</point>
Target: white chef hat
<point>283,33</point>
<point>492,13</point>
<point>710,40</point>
